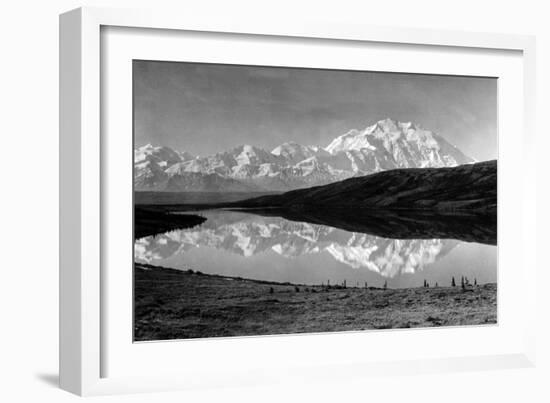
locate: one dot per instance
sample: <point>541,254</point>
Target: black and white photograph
<point>297,201</point>
<point>284,200</point>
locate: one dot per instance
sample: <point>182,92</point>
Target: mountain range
<point>384,145</point>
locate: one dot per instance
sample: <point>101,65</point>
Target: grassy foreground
<point>173,304</point>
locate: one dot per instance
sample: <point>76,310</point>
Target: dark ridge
<point>471,188</point>
<point>397,224</point>
<point>149,222</point>
<point>173,198</point>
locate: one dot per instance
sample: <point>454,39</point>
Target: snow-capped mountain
<point>294,152</point>
<point>162,156</point>
<point>390,144</point>
<point>151,164</point>
<point>387,144</point>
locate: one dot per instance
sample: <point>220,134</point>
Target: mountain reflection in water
<point>270,247</point>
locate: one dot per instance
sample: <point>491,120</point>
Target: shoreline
<point>150,267</point>
<point>385,223</point>
<point>149,222</point>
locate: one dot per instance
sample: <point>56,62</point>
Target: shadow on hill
<point>150,222</point>
<point>398,224</point>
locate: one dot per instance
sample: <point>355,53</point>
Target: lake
<point>303,251</point>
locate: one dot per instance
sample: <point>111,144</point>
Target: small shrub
<point>297,289</point>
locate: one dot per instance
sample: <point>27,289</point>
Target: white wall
<point>29,155</point>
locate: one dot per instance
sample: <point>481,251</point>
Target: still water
<point>273,248</point>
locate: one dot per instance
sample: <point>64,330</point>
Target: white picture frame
<point>83,162</point>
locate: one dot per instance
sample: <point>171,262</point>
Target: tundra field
<point>178,304</point>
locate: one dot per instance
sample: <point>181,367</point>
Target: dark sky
<point>206,108</point>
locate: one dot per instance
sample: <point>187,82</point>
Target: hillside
<point>471,187</point>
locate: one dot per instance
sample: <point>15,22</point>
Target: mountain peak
<point>246,148</point>
<point>388,123</point>
<point>387,144</point>
<point>295,152</point>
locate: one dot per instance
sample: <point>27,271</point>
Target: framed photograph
<point>243,201</point>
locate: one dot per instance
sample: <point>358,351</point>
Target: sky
<point>207,108</point>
